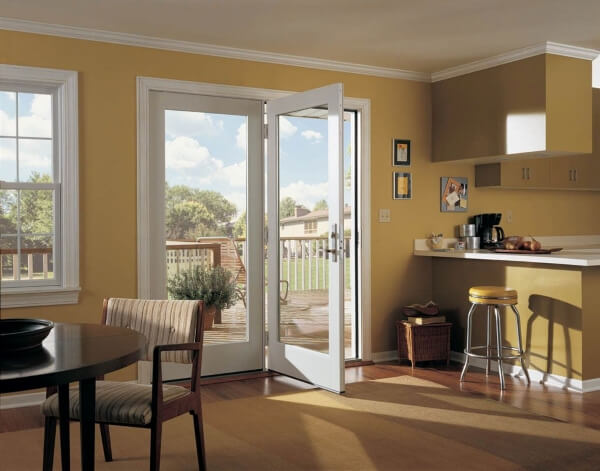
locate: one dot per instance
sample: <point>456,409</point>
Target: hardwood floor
<point>582,409</point>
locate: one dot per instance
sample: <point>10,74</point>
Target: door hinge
<point>266,130</point>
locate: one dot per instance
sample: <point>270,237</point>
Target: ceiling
<point>424,36</point>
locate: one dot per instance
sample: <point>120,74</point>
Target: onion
<point>535,245</point>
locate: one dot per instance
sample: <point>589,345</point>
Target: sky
<point>35,121</point>
<point>208,151</point>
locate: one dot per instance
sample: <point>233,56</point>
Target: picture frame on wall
<point>454,194</point>
<point>401,152</point>
<point>402,186</point>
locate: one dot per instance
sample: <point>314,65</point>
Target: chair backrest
<point>162,322</point>
<point>230,258</point>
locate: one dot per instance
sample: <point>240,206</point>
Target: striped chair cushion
<point>117,402</point>
<point>161,321</point>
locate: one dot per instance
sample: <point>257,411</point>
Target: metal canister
<point>466,230</point>
<point>472,243</point>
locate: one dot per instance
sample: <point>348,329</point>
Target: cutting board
<point>529,252</point>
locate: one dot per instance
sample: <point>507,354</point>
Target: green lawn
<point>316,262</point>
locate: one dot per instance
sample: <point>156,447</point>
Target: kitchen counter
<point>583,251</point>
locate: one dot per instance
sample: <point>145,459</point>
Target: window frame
<point>64,289</point>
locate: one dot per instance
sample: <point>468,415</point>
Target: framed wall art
<point>402,186</point>
<point>401,152</point>
<point>454,194</point>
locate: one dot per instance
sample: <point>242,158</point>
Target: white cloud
<point>311,135</point>
<point>242,136</point>
<point>189,123</point>
<point>186,155</point>
<point>306,194</point>
<point>34,155</point>
<point>35,123</point>
<point>39,122</point>
<point>286,128</point>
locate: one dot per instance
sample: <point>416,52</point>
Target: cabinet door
<point>526,173</point>
<point>586,171</point>
<point>562,172</point>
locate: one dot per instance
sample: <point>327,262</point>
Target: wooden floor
<point>582,409</point>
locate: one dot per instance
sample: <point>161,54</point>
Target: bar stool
<point>493,297</point>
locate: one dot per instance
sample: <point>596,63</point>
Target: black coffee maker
<point>486,227</point>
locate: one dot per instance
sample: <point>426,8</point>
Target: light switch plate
<point>384,215</point>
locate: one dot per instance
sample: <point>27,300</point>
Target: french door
<point>318,115</point>
<point>206,208</point>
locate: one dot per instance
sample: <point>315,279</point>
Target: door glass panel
<point>304,229</point>
<point>205,211</point>
<point>350,317</point>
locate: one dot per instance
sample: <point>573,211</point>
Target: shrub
<point>215,286</point>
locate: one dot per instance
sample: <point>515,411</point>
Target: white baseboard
<point>29,399</point>
<point>558,381</point>
<point>379,357</point>
<point>22,400</point>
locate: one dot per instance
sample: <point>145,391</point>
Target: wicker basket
<point>423,342</point>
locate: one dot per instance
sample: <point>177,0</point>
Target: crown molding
<point>547,47</point>
<point>127,39</point>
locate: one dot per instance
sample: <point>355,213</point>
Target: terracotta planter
<point>209,317</point>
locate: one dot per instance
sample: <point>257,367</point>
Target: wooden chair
<point>174,328</point>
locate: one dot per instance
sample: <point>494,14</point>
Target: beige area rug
<point>390,424</point>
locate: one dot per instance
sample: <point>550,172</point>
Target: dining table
<point>73,353</point>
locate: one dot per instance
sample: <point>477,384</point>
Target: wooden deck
<point>305,320</point>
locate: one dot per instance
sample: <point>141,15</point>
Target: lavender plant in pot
<point>215,286</point>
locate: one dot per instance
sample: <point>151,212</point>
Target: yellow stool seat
<point>492,295</point>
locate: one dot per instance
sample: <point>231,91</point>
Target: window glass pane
<point>36,211</point>
<point>8,255</point>
<point>35,115</point>
<point>8,158</point>
<point>8,109</point>
<point>35,160</point>
<point>36,258</point>
<point>8,212</point>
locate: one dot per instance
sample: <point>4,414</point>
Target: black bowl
<point>23,334</point>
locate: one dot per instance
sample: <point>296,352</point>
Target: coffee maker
<point>486,227</point>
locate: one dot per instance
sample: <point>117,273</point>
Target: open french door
<point>319,114</point>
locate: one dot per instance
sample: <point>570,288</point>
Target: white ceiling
<point>424,36</point>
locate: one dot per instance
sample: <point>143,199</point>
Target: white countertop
<point>583,251</point>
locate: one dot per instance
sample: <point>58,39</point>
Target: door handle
<point>334,250</point>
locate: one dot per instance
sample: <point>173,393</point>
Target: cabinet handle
<point>523,173</point>
<point>574,174</point>
<point>528,173</point>
<point>570,174</point>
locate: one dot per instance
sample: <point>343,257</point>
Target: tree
<point>192,213</point>
<point>239,227</point>
<point>321,204</point>
<point>287,207</point>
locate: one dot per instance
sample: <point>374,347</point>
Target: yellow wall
<point>400,109</point>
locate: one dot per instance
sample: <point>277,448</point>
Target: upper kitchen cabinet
<point>535,107</point>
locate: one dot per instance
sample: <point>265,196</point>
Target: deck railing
<point>183,254</point>
<point>9,263</point>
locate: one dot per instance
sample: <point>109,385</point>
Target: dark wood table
<point>73,352</point>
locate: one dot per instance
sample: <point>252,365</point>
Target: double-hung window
<point>39,257</point>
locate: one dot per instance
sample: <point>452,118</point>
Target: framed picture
<point>401,153</point>
<point>454,194</point>
<point>402,186</point>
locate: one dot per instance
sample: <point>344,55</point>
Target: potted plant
<point>215,286</point>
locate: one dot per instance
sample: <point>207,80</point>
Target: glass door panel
<point>306,236</point>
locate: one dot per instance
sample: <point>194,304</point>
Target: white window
<point>39,236</point>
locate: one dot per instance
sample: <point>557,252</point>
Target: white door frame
<point>147,84</point>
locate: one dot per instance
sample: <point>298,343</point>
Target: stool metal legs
<point>488,340</point>
<point>500,356</point>
<point>468,349</point>
<point>521,351</point>
<point>499,346</point>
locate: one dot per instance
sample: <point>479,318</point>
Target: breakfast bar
<point>558,302</point>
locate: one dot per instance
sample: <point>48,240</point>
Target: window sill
<point>26,297</point>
